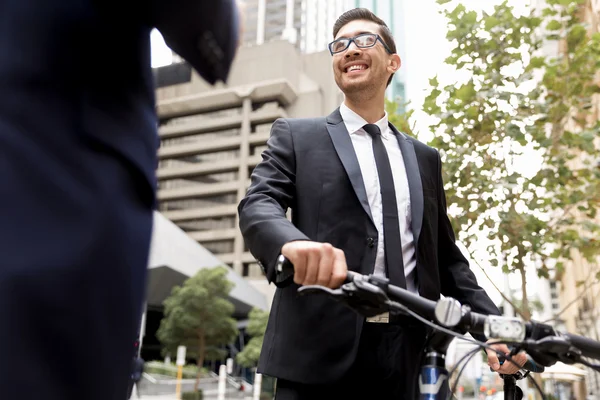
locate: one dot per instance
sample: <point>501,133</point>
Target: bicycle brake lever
<point>363,298</point>
<point>314,289</point>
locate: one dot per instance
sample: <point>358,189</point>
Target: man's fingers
<point>493,359</point>
<point>325,265</point>
<point>312,267</point>
<point>298,258</point>
<point>340,269</point>
<point>316,263</point>
<point>509,368</point>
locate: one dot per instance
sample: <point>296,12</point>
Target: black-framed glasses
<point>363,41</point>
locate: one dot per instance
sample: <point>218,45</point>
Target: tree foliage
<point>257,326</point>
<point>198,315</point>
<point>519,138</point>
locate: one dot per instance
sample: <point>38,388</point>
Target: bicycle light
<point>448,312</point>
<point>504,328</point>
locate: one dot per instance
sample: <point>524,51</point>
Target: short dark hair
<point>365,14</point>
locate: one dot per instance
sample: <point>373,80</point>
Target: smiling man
<point>364,197</point>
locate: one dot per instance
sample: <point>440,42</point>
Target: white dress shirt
<point>363,147</point>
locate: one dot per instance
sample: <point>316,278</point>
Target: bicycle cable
<point>535,384</point>
<point>457,335</point>
<point>468,357</point>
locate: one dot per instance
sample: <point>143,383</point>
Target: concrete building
<point>211,139</point>
<point>583,301</point>
<point>174,257</point>
<point>268,20</point>
<point>579,292</point>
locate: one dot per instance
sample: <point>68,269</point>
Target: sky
<point>426,49</point>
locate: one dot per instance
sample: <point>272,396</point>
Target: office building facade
<point>579,301</point>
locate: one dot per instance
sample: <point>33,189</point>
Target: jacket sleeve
<point>262,212</point>
<point>203,32</point>
<point>458,281</point>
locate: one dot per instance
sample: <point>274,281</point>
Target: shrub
<point>192,395</point>
<point>158,367</point>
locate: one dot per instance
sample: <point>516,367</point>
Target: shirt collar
<point>355,122</point>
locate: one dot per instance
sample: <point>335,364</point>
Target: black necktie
<point>391,228</point>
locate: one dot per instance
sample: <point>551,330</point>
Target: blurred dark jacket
<point>78,140</point>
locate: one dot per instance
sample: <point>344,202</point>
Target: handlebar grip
<point>284,272</point>
<point>588,347</point>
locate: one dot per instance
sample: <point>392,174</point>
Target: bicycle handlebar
<point>496,326</point>
<point>370,295</point>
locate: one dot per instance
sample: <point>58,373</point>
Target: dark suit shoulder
<point>302,124</point>
<point>302,129</point>
<point>420,146</point>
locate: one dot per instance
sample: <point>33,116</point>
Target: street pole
<point>142,331</point>
<point>180,363</point>
<point>257,386</point>
<point>222,381</point>
<point>178,387</point>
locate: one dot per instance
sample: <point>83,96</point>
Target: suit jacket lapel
<point>345,150</point>
<point>414,183</point>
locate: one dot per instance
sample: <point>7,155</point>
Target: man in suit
<point>78,140</point>
<point>364,197</point>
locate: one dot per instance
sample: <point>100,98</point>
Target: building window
<point>199,181</point>
<point>208,201</point>
<point>200,137</point>
<point>219,246</point>
<point>207,224</point>
<point>257,150</point>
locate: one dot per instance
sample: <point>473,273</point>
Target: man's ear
<point>394,63</point>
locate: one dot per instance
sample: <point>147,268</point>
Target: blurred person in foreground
<point>78,141</point>
<point>137,372</point>
<point>364,197</point>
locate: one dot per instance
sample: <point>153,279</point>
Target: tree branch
<point>565,212</point>
<point>509,301</point>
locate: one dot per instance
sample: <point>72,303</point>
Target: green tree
<point>519,138</point>
<point>199,316</point>
<point>257,325</point>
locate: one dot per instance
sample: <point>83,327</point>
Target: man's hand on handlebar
<point>316,263</point>
<point>507,368</point>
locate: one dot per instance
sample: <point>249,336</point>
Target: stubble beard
<point>359,91</point>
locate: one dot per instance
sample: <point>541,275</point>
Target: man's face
<point>362,69</point>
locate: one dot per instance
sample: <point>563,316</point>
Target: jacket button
<point>370,242</point>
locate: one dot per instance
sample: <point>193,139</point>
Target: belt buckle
<point>383,318</point>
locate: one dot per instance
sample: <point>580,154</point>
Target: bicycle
<point>370,296</point>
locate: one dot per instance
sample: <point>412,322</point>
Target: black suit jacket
<point>78,140</point>
<point>310,166</point>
